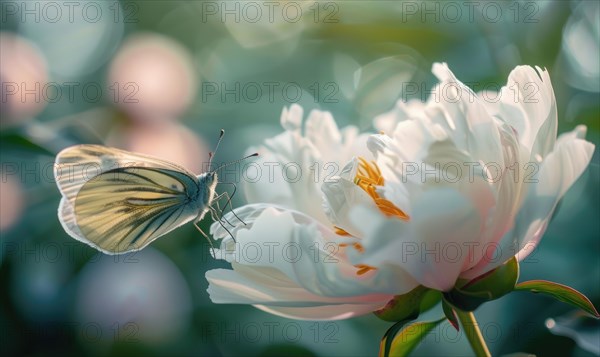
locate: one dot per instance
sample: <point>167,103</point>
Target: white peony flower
<point>288,259</point>
<point>455,187</point>
<point>478,180</point>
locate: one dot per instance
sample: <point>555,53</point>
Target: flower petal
<point>469,124</point>
<point>273,294</point>
<point>387,122</point>
<point>341,194</point>
<point>286,258</point>
<point>433,246</point>
<point>325,312</point>
<point>292,166</point>
<point>291,119</point>
<point>528,104</point>
<point>559,170</point>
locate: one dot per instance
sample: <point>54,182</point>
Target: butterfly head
<point>207,182</point>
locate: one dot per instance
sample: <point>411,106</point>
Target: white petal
<point>291,119</point>
<point>282,175</point>
<point>400,155</point>
<point>433,246</point>
<point>387,122</point>
<point>335,146</point>
<point>509,187</point>
<point>277,179</point>
<point>468,123</point>
<point>322,131</point>
<point>292,166</point>
<point>528,104</point>
<point>305,251</point>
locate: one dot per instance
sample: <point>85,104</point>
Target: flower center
<point>369,178</point>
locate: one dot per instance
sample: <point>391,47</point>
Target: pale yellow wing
<point>122,208</point>
<point>76,165</point>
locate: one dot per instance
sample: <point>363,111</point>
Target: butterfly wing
<point>119,202</point>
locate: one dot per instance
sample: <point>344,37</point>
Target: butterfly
<point>119,202</point>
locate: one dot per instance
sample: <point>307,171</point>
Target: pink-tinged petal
<point>475,186</point>
<point>556,174</point>
<point>325,312</point>
<point>269,286</point>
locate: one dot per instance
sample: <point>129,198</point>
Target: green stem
<point>471,328</point>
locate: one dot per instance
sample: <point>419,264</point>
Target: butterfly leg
<point>204,234</point>
<point>226,194</point>
<point>219,210</point>
<point>212,215</point>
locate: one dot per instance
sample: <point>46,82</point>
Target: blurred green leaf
<point>407,339</point>
<point>16,141</point>
<point>408,306</point>
<point>287,350</point>
<point>559,292</point>
<point>388,337</point>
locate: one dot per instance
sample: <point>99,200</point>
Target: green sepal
<point>450,314</point>
<point>469,295</point>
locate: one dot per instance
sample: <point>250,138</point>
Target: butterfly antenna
<point>235,162</point>
<point>211,154</point>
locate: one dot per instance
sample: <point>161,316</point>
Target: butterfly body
<point>207,184</point>
<point>119,202</point>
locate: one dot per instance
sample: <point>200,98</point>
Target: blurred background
<point>162,77</point>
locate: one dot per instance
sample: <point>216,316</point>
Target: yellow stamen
<point>359,247</point>
<point>340,231</point>
<point>363,268</point>
<point>369,178</point>
<point>355,245</point>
